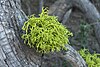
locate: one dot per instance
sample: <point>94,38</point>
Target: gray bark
<point>11,21</point>
<point>61,9</point>
<point>74,58</point>
<point>66,16</point>
<point>12,52</point>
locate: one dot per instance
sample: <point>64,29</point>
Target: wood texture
<point>11,21</point>
<point>14,54</point>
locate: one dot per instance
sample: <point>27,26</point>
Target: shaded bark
<point>91,13</point>
<point>61,9</point>
<point>66,16</point>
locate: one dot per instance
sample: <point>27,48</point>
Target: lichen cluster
<point>45,33</point>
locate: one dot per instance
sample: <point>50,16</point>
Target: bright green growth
<point>93,60</point>
<point>45,33</point>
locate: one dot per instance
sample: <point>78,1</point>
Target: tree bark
<point>11,21</point>
<point>40,5</point>
<point>12,51</point>
<point>62,9</point>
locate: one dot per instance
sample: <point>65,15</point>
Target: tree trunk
<point>12,51</point>
<point>11,21</point>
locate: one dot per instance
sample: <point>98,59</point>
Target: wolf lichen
<point>92,60</point>
<point>45,33</point>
